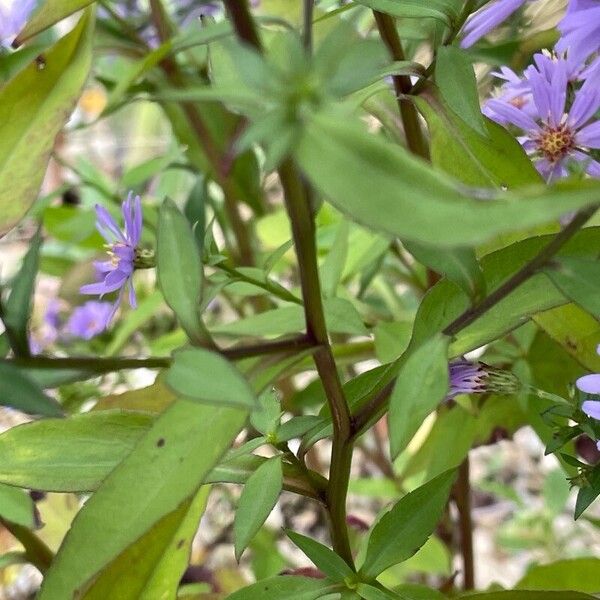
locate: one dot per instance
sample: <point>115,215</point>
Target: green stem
<point>303,231</point>
<point>462,499</point>
<point>298,205</point>
<point>415,139</point>
<point>309,7</point>
<point>280,292</point>
<point>294,344</point>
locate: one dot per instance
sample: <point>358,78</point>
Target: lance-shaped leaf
<point>323,557</point>
<point>167,466</point>
<point>49,13</point>
<point>415,202</point>
<point>286,587</point>
<point>442,10</point>
<point>18,306</point>
<point>579,280</point>
<point>422,384</point>
<point>256,502</point>
<point>492,158</point>
<point>459,265</point>
<point>179,270</point>
<point>160,558</point>
<point>19,391</point>
<point>209,378</point>
<point>16,506</point>
<point>455,77</point>
<point>78,453</point>
<point>406,527</point>
<point>528,595</point>
<point>68,455</point>
<point>35,105</point>
<point>576,574</point>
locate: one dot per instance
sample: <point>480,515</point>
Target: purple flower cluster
<point>13,16</point>
<point>123,247</point>
<point>553,105</point>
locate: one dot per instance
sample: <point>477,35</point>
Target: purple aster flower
<point>580,30</point>
<point>90,319</point>
<point>468,377</point>
<point>13,16</point>
<point>554,136</point>
<point>116,273</point>
<point>487,18</point>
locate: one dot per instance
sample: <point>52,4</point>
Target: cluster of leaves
<point>410,260</point>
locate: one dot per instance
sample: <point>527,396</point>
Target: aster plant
<point>370,244</point>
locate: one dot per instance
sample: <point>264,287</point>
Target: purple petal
<point>107,226</point>
<point>589,384</point>
<point>486,19</point>
<point>591,408</point>
<point>513,115</point>
<point>584,106</point>
<point>589,136</point>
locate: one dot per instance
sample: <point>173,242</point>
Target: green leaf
<point>44,99</point>
<point>16,506</point>
<point>370,592</point>
<point>422,384</point>
<point>195,212</point>
<point>455,77</point>
<point>256,502</point>
<point>588,493</point>
<point>528,595</point>
<point>168,464</point>
<point>18,306</point>
<point>444,302</point>
<point>160,557</point>
<point>459,265</point>
<point>576,331</point>
<point>179,269</point>
<point>441,10</point>
<point>207,377</point>
<point>287,587</point>
<point>19,391</point>
<point>49,13</point>
<point>492,158</point>
<point>325,559</point>
<point>69,455</point>
<point>406,527</point>
<point>413,201</point>
<point>333,265</point>
<point>579,280</point>
<point>134,72</point>
<point>577,574</point>
<point>340,316</point>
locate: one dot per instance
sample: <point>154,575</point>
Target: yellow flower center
<point>556,142</point>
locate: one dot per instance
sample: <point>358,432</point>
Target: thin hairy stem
<point>462,499</point>
<point>415,139</point>
<point>298,205</point>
